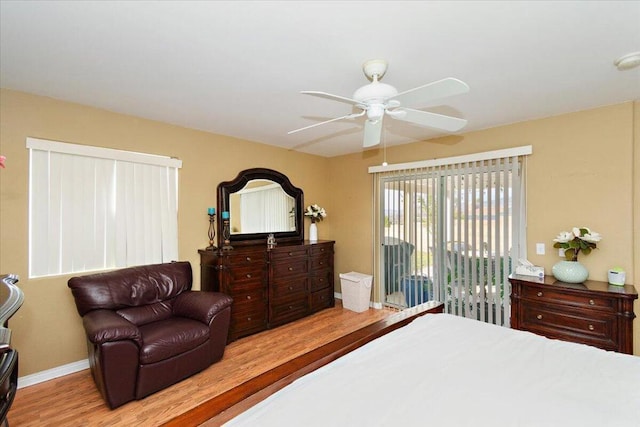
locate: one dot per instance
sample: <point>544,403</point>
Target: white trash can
<point>356,291</point>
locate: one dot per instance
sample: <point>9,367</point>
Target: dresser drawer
<point>249,297</point>
<point>322,248</point>
<point>550,295</point>
<point>290,267</point>
<point>248,318</point>
<point>322,299</point>
<point>287,289</point>
<point>255,273</point>
<point>588,329</point>
<point>321,279</point>
<point>320,262</point>
<point>289,311</point>
<point>245,257</point>
<point>281,254</point>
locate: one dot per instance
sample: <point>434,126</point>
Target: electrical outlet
<point>540,249</point>
<point>561,252</point>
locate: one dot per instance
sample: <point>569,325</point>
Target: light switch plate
<point>540,249</point>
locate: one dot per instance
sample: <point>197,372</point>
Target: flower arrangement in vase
<point>316,214</point>
<point>578,240</point>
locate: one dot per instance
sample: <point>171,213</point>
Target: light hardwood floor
<point>73,400</point>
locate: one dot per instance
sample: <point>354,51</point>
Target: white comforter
<point>452,371</point>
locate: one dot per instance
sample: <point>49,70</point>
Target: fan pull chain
<point>384,147</point>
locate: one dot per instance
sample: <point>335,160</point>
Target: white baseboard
<point>49,374</point>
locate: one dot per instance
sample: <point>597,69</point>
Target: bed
<point>446,370</point>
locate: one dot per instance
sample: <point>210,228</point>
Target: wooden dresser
<point>270,287</point>
<point>593,312</point>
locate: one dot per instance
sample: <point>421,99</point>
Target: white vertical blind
<point>93,208</point>
<point>452,232</point>
<point>269,199</point>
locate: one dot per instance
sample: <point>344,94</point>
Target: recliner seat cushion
<point>167,338</point>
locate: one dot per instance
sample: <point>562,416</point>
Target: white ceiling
<point>236,68</point>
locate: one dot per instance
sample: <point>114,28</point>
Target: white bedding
<point>447,370</point>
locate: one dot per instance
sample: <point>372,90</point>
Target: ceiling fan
<point>377,99</point>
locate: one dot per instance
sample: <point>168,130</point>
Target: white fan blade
<point>439,89</point>
<point>425,118</point>
<point>348,116</point>
<point>332,97</point>
<point>372,132</point>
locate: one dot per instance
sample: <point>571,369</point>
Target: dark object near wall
<point>147,330</point>
<point>593,313</point>
<point>271,287</point>
<point>11,297</point>
<point>397,263</point>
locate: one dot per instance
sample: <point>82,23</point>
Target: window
<point>451,230</point>
<point>94,208</point>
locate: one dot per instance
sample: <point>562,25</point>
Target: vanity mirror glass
<point>261,206</point>
<point>261,202</point>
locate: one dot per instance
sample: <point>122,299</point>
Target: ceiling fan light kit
<point>377,99</point>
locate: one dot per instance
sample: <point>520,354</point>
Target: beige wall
<point>47,330</point>
<point>581,173</point>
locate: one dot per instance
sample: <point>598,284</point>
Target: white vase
<point>313,232</point>
<point>570,272</point>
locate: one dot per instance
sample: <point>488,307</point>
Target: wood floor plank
<point>73,400</point>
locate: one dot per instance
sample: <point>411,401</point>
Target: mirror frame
<point>225,189</point>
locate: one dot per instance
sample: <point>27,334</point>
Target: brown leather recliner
<point>146,329</point>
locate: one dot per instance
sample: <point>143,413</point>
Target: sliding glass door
<point>452,233</point>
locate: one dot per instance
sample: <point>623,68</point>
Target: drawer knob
<point>249,259</point>
<point>290,268</point>
<point>321,262</point>
<point>591,328</point>
<point>248,296</point>
<point>592,302</point>
<point>290,307</point>
<point>290,253</point>
<point>249,319</point>
<point>248,276</point>
<point>290,288</point>
<point>539,317</point>
<point>539,294</point>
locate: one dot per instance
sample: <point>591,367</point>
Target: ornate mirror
<point>260,202</point>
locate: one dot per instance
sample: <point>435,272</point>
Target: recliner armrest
<point>105,326</point>
<point>200,305</point>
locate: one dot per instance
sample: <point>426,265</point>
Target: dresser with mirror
<point>270,285</point>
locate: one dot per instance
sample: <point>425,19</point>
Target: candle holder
<point>226,235</point>
<point>212,232</point>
